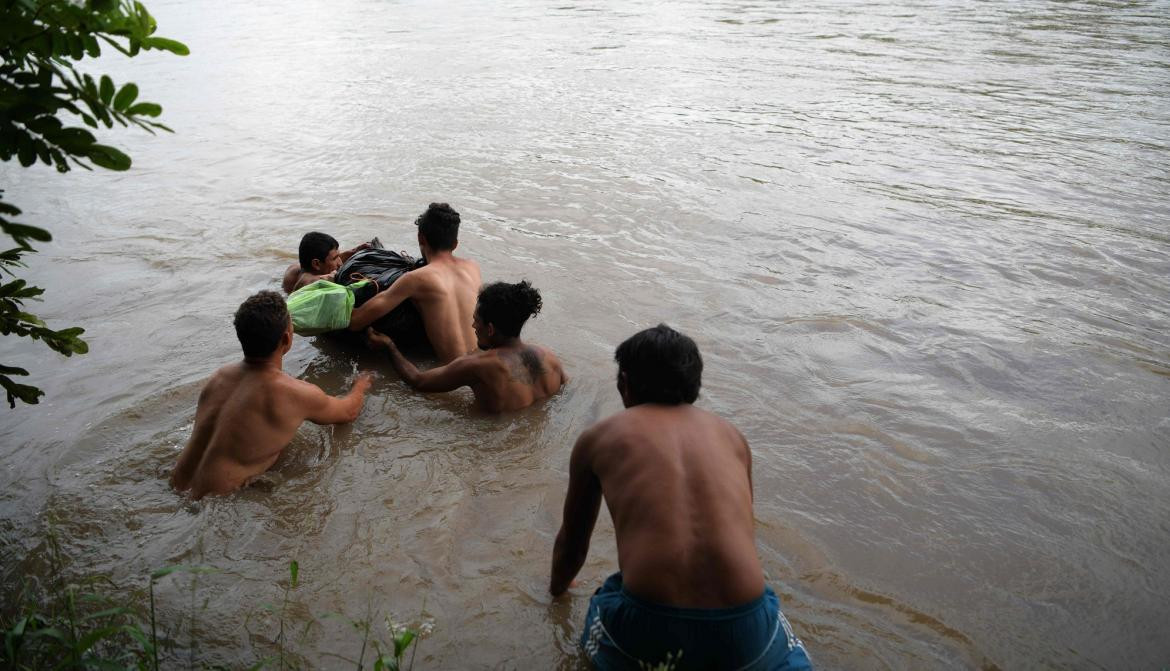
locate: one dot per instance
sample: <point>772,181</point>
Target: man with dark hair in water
<point>319,259</point>
<point>509,374</point>
<point>444,290</point>
<point>250,410</point>
<point>690,591</point>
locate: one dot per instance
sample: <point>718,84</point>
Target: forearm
<point>403,366</point>
<point>353,404</point>
<point>361,318</point>
<point>566,563</point>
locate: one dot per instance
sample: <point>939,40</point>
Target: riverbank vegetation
<point>47,108</point>
<point>94,623</point>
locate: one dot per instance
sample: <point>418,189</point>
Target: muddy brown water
<point>923,248</point>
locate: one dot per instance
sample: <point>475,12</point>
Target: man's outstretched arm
<point>459,373</point>
<point>402,289</point>
<point>582,503</point>
<point>321,408</point>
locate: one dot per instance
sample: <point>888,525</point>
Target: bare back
<point>246,416</point>
<point>512,378</point>
<point>445,294</point>
<point>677,481</point>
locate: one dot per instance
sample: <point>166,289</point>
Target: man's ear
<point>623,387</point>
<point>286,338</point>
<point>315,264</point>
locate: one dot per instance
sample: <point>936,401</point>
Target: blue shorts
<point>625,632</point>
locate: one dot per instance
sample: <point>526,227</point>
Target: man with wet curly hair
<point>249,411</point>
<point>444,290</point>
<point>508,374</point>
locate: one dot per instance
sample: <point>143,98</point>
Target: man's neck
<point>509,343</point>
<point>273,362</point>
<point>445,256</point>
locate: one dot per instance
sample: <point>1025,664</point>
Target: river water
<point>923,247</point>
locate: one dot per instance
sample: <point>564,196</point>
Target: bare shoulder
<point>289,282</point>
<point>291,386</point>
<point>617,428</point>
<point>481,360</point>
<point>469,264</point>
<point>224,375</point>
<point>717,423</point>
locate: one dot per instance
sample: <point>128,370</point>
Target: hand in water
<point>378,340</point>
<point>363,380</point>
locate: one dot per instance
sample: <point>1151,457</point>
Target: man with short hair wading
<point>509,374</point>
<point>444,290</point>
<point>319,260</point>
<point>690,591</point>
<point>250,410</point>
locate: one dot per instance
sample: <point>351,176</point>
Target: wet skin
<point>677,481</point>
<point>247,414</point>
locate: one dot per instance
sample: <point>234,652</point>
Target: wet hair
<point>508,306</point>
<point>661,366</point>
<point>260,322</point>
<point>439,226</point>
<point>315,246</point>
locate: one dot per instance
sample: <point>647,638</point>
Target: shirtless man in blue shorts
<point>677,480</point>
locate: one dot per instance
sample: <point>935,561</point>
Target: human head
<point>318,253</point>
<point>659,365</point>
<point>502,309</point>
<point>263,325</point>
<point>438,228</point>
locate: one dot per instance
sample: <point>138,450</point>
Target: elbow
<point>352,415</point>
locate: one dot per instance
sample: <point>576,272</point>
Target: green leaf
<point>30,318</point>
<point>76,46</point>
<point>108,157</point>
<point>44,124</point>
<point>22,231</point>
<point>140,636</point>
<point>13,370</point>
<point>73,139</point>
<point>25,152</point>
<point>116,610</point>
<point>293,569</point>
<point>174,568</point>
<point>91,46</point>
<point>12,288</point>
<point>51,632</point>
<point>106,90</point>
<point>127,95</point>
<point>146,109</point>
<point>94,636</point>
<point>26,393</point>
<point>402,642</point>
<point>173,46</point>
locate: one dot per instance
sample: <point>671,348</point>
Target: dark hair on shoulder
<point>260,322</point>
<point>508,306</point>
<point>661,366</point>
<point>439,226</point>
<point>317,246</point>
